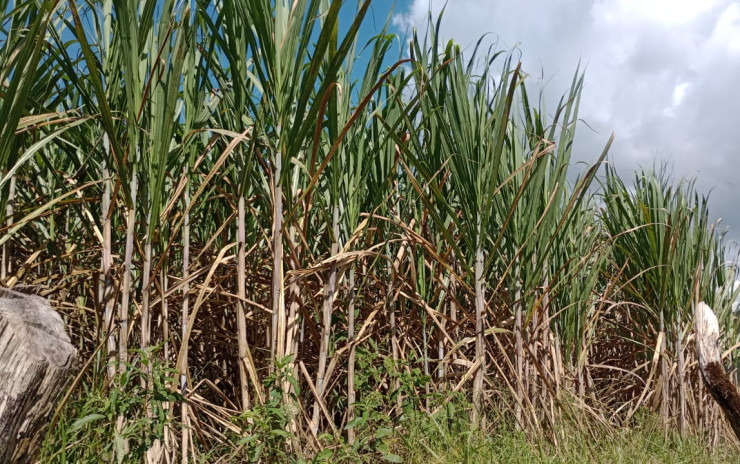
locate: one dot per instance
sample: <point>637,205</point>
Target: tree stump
<point>710,365</point>
<point>36,356</point>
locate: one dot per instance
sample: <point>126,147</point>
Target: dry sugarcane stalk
<point>710,365</point>
<point>326,320</point>
<point>146,317</point>
<point>663,375</point>
<point>185,433</point>
<point>520,389</point>
<point>164,311</point>
<point>351,360</point>
<point>277,252</point>
<point>241,321</point>
<point>155,453</point>
<point>5,266</point>
<point>291,343</point>
<point>441,365</point>
<point>394,271</point>
<point>123,310</point>
<point>681,377</point>
<point>453,308</point>
<point>106,295</point>
<point>126,292</point>
<point>480,303</point>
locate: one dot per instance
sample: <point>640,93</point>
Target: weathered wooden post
<point>36,356</point>
<point>710,365</point>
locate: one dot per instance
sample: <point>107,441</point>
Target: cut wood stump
<point>710,365</point>
<point>36,357</point>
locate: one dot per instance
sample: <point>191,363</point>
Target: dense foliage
<point>270,240</point>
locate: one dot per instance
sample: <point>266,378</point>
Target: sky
<point>664,75</point>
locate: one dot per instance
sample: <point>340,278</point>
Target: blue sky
<point>376,16</point>
<point>375,20</point>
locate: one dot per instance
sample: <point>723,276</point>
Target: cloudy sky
<point>664,75</point>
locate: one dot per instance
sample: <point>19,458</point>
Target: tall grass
<point>306,251</point>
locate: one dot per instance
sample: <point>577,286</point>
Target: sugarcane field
<point>324,231</point>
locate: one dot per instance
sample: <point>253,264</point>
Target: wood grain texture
<point>36,356</point>
<point>710,365</point>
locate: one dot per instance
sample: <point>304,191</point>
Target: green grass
<point>440,433</point>
<point>643,442</point>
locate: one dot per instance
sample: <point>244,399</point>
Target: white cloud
<point>727,29</point>
<point>662,12</point>
<point>679,93</point>
<point>663,74</point>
